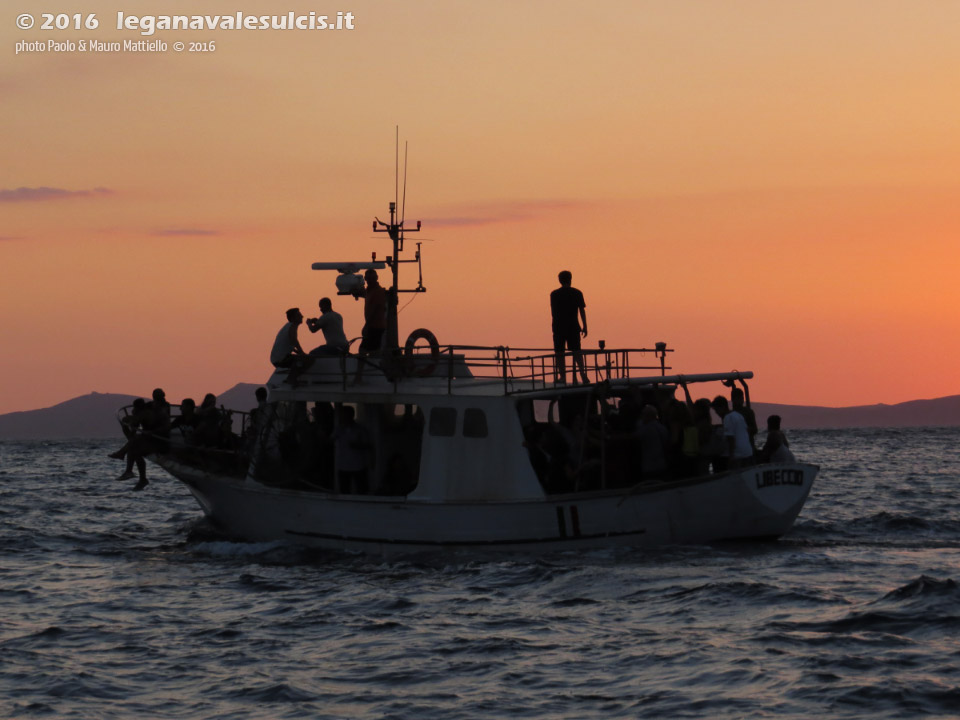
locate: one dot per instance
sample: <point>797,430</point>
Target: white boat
<point>475,447</point>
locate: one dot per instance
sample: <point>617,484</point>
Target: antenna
<point>403,208</point>
<point>396,231</point>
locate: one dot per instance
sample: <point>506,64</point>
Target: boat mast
<point>349,283</point>
<point>396,230</point>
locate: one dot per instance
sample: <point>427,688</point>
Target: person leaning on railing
<point>188,419</point>
<point>153,437</point>
<point>207,430</point>
<point>776,449</point>
<point>739,451</point>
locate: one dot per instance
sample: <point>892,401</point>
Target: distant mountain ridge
<point>95,415</point>
<point>914,413</point>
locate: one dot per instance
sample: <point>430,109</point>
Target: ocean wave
<point>117,605</point>
<point>273,693</point>
<point>915,610</point>
<point>925,586</point>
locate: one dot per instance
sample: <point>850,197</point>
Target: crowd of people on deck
<point>324,447</point>
<point>305,443</point>
<point>151,427</point>
<point>645,434</point>
<point>649,434</point>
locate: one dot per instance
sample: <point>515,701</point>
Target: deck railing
<point>526,369</point>
<point>517,369</point>
<point>225,450</point>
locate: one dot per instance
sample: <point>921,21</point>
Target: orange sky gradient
<point>765,186</point>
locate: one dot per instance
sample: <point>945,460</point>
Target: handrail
<point>226,414</point>
<point>537,367</point>
<point>518,369</point>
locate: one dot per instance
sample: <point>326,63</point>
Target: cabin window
<point>443,421</point>
<point>474,423</point>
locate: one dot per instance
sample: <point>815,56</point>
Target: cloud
<point>184,232</point>
<point>42,194</point>
<point>506,212</point>
<point>8,238</point>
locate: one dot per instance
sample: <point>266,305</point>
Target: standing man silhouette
<point>374,313</point>
<point>375,318</point>
<point>569,313</point>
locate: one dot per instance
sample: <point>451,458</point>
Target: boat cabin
<point>484,424</point>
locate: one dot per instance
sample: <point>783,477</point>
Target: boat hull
<point>756,502</point>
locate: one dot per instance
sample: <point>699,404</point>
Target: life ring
<point>421,369</point>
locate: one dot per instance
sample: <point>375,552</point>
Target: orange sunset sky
<point>766,186</point>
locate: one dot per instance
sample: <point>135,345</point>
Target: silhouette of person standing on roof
<point>568,310</point>
<point>375,318</point>
<point>374,312</point>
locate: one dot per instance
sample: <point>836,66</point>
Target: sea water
<point>117,604</point>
